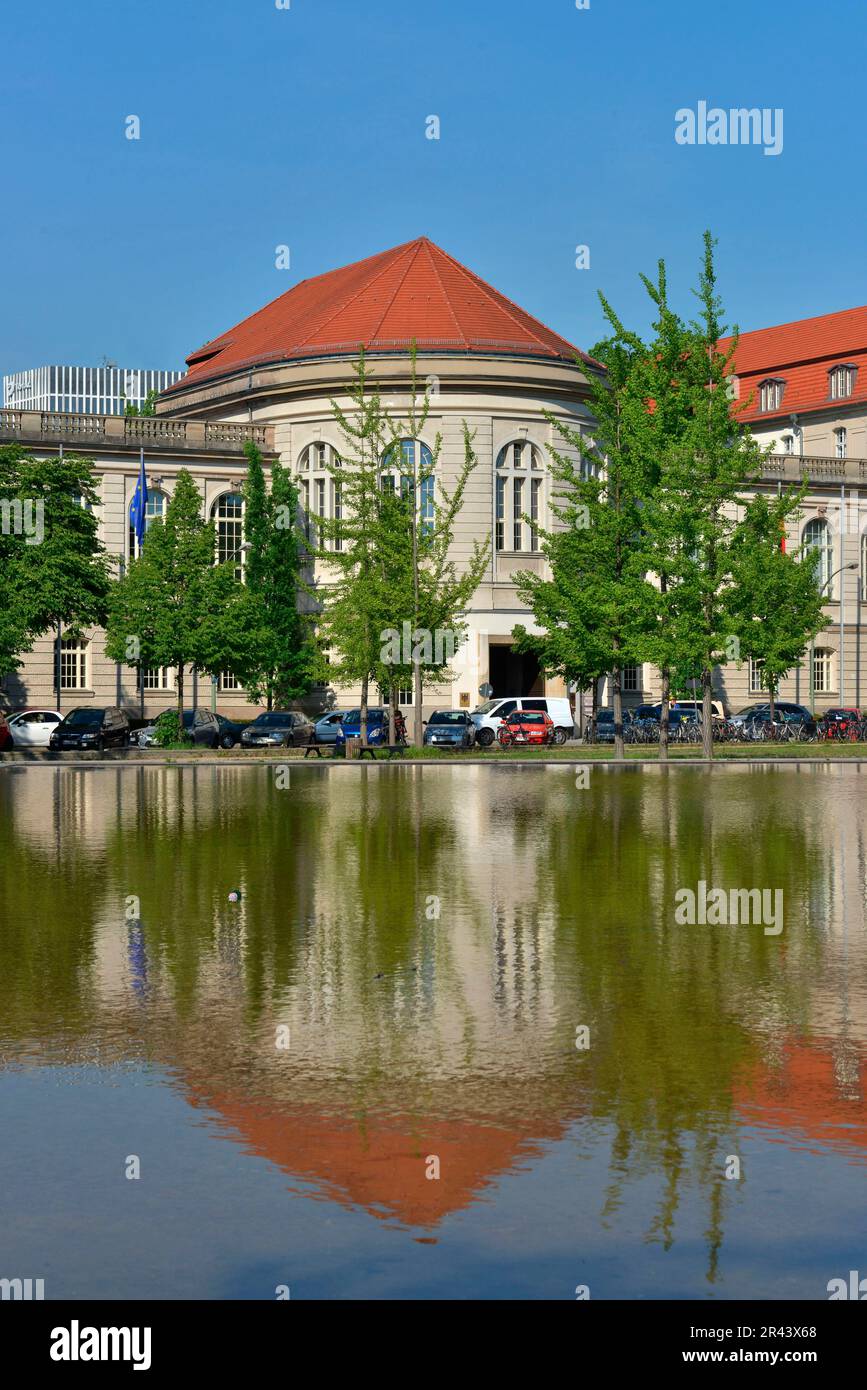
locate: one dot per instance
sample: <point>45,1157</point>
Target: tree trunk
<point>363,723</point>
<point>663,715</point>
<point>771,700</point>
<point>417,720</point>
<point>706,715</point>
<point>392,713</point>
<point>181,697</point>
<point>617,679</point>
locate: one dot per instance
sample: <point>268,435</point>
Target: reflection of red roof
<point>805,1097</point>
<point>800,354</point>
<point>379,1163</point>
<point>412,292</point>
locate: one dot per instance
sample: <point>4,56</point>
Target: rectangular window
<point>841,382</point>
<point>840,443</point>
<point>771,395</point>
<point>756,675</point>
<point>338,512</point>
<point>228,681</point>
<point>535,494</point>
<point>73,665</point>
<point>157,678</point>
<point>518,504</point>
<point>821,671</point>
<point>501,513</point>
<point>631,678</point>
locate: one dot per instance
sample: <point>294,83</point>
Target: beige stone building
<point>274,376</point>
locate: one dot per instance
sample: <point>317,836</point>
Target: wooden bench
<point>315,748</point>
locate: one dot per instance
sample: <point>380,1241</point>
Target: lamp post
<point>852,565</point>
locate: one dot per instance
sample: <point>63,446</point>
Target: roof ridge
<point>394,255</point>
<point>398,287</point>
<point>458,325</point>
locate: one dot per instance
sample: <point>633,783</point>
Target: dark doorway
<point>514,673</point>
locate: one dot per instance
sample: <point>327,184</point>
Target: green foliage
<point>283,657</point>
<point>169,731</point>
<point>174,606</point>
<point>63,577</point>
<point>147,407</point>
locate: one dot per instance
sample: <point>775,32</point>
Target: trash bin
<point>353,748</point>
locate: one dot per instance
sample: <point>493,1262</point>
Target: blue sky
<point>306,127</point>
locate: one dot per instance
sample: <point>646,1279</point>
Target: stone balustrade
<point>150,431</point>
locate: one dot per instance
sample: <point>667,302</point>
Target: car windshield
<point>273,720</point>
<point>529,717</point>
<point>605,716</point>
<point>84,718</point>
<point>374,716</point>
<point>486,707</point>
<point>447,716</point>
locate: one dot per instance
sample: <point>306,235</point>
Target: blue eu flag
<point>138,507</point>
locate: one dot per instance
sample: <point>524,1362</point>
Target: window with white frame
<point>823,673</point>
<point>228,681</point>
<point>819,550</point>
<point>771,394</point>
<point>518,497</point>
<point>756,668</point>
<point>73,664</point>
<point>631,679</point>
<point>155,507</point>
<point>841,381</point>
<point>227,514</point>
<point>788,443</point>
<point>864,565</point>
<point>157,678</point>
<point>321,493</point>
<point>840,443</point>
<point>409,461</point>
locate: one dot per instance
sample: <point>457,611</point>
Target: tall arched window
<point>156,507</point>
<point>227,513</point>
<point>818,548</point>
<point>321,493</point>
<point>518,487</point>
<point>411,458</point>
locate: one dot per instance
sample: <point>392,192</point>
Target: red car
<point>5,734</point>
<point>526,726</point>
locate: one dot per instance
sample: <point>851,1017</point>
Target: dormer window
<point>841,381</point>
<point>771,394</point>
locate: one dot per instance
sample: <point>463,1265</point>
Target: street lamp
<point>852,565</point>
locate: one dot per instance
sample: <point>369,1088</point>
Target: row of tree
<point>659,552</point>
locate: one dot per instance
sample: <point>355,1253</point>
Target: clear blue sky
<point>306,126</point>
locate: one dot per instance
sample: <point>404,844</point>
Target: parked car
<point>200,725</point>
<point>450,728</point>
<point>605,724</point>
<point>5,735</point>
<point>278,728</point>
<point>526,726</point>
<point>487,716</point>
<point>717,708</point>
<point>32,728</point>
<point>89,728</point>
<point>230,730</point>
<point>784,711</point>
<point>326,727</point>
<point>350,726</point>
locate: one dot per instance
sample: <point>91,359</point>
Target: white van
<point>487,717</point>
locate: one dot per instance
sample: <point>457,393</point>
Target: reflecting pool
<point>450,1041</point>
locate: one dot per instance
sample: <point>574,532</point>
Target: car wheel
<point>485,737</point>
<point>227,741</point>
<point>559,737</point>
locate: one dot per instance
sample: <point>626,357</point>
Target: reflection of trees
<point>675,1012</point>
<point>558,910</point>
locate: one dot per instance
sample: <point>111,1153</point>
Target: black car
<point>230,731</point>
<point>88,728</point>
<point>605,724</point>
<point>278,728</point>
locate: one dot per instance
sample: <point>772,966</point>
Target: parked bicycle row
<point>791,723</point>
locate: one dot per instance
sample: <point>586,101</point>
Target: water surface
<point>398,994</point>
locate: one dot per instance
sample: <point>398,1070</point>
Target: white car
<point>487,717</point>
<point>32,728</point>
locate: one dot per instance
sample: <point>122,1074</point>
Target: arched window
<point>771,394</point>
<point>156,507</point>
<point>818,549</point>
<point>407,460</point>
<point>841,381</point>
<point>321,493</point>
<point>823,670</point>
<point>227,513</point>
<point>518,487</point>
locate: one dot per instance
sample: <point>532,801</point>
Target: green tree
<point>147,407</point>
<point>775,604</point>
<point>174,606</point>
<point>283,658</point>
<point>53,569</point>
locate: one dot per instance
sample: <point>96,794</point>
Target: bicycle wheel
<point>504,736</point>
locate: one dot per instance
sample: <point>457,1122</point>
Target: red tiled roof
<point>801,354</point>
<point>412,292</point>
